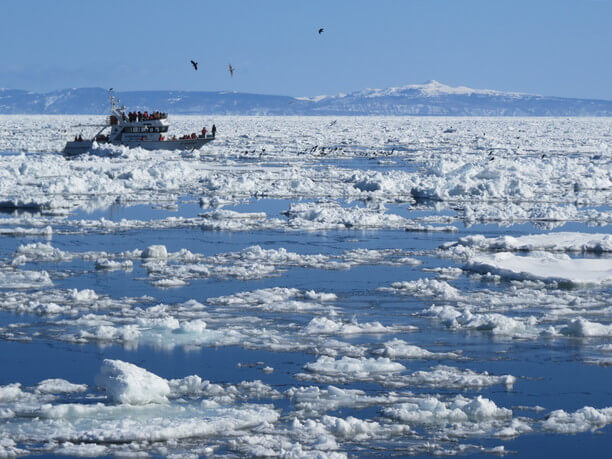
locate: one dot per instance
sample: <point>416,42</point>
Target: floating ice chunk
<point>587,418</point>
<point>448,273</point>
<point>359,369</point>
<point>127,383</point>
<point>25,279</point>
<point>445,376</point>
<point>517,427</point>
<point>170,282</point>
<point>424,287</point>
<point>86,295</point>
<point>330,215</point>
<point>8,448</point>
<point>81,449</point>
<point>277,299</point>
<point>556,242</point>
<point>45,309</point>
<point>544,266</point>
<point>194,387</point>
<point>111,333</point>
<point>430,410</point>
<point>228,220</point>
<point>586,328</point>
<point>223,214</point>
<point>46,231</point>
<point>313,399</point>
<point>193,326</point>
<point>59,386</point>
<point>388,256</point>
<point>360,430</point>
<point>262,296</point>
<point>11,392</point>
<point>112,265</point>
<point>155,251</point>
<point>40,251</point>
<point>398,348</point>
<point>319,296</point>
<point>323,325</point>
<point>497,324</point>
<point>116,425</point>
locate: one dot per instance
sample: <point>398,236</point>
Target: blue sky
<point>559,47</point>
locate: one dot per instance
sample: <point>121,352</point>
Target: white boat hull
<point>75,148</point>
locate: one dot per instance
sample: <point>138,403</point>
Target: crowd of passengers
<point>143,116</point>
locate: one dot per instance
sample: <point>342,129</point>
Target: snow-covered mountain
<point>431,98</point>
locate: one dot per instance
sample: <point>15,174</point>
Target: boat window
<point>163,129</point>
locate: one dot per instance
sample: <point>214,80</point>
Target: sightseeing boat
<point>148,131</point>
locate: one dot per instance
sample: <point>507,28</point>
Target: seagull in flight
<point>231,69</point>
<point>321,30</point>
<point>195,64</point>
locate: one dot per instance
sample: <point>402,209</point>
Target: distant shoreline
<point>429,99</point>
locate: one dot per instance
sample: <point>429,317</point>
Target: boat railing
<point>113,120</point>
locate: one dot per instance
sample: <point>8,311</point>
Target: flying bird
<point>231,69</point>
<point>195,64</point>
<point>321,30</point>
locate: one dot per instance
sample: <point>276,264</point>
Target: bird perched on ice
<point>231,69</point>
<point>195,64</point>
<point>321,30</point>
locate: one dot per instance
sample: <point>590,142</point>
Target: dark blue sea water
<point>552,373</point>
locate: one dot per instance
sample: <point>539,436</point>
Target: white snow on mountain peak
<point>431,88</point>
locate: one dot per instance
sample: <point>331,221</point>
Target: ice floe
<point>555,242</point>
<point>584,419</point>
<point>127,383</point>
<point>400,349</point>
<point>384,371</point>
<point>137,410</point>
<point>545,267</point>
<point>176,269</point>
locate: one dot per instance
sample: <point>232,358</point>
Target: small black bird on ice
<point>231,69</point>
<point>195,64</point>
<point>321,30</point>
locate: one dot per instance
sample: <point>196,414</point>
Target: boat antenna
<point>117,105</point>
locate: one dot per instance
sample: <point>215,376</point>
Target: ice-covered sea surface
<point>308,287</point>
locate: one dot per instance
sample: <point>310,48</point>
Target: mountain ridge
<point>431,98</point>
